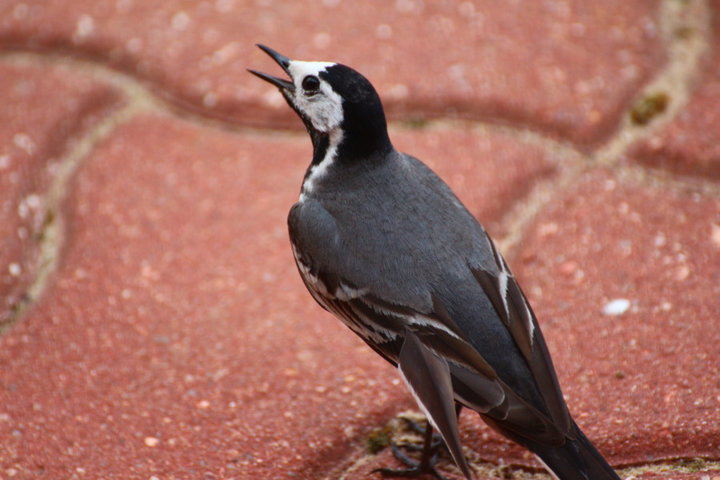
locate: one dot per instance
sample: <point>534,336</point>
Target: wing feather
<point>514,310</point>
<point>428,378</point>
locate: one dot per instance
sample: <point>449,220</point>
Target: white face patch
<point>324,107</point>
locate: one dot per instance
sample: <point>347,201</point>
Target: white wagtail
<point>383,243</point>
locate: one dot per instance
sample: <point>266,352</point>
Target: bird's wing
<point>383,325</point>
<point>428,378</point>
<point>514,310</point>
<point>386,327</point>
<point>425,348</point>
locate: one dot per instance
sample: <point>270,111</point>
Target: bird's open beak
<point>281,60</point>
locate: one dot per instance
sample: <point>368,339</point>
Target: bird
<point>382,243</point>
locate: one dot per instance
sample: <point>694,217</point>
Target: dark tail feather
<point>576,460</point>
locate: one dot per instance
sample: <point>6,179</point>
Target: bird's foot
<point>415,468</point>
<point>417,427</point>
<point>431,448</point>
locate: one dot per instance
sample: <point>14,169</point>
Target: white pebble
<point>180,21</point>
<point>152,441</point>
<point>210,99</point>
<point>616,307</point>
<point>84,27</point>
<point>383,31</point>
<point>23,141</point>
<point>715,234</point>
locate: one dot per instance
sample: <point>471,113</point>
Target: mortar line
<point>76,151</point>
<point>137,90</point>
<point>678,76</point>
<point>675,80</point>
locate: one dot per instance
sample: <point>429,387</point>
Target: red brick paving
<point>175,340</point>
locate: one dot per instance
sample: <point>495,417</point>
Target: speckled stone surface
<point>174,338</point>
<point>584,60</point>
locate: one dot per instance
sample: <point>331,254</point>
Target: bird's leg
<point>429,452</point>
<point>427,462</point>
<point>418,428</point>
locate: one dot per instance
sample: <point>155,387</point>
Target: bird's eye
<point>311,84</point>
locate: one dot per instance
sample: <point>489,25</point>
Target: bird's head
<point>332,99</point>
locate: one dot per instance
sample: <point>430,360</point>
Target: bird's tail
<point>576,460</point>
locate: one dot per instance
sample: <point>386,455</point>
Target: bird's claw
<point>417,427</point>
<point>426,466</point>
<point>415,469</point>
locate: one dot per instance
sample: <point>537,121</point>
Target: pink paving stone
<point>690,144</point>
<point>567,68</point>
<point>644,383</point>
<point>177,339</point>
<point>43,109</point>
